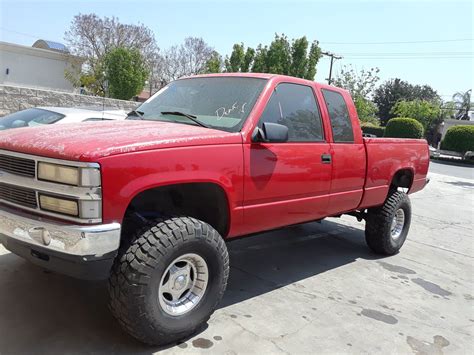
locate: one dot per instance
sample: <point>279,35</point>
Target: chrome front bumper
<point>87,242</point>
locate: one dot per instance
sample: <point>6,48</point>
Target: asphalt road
<point>440,167</point>
<point>313,288</point>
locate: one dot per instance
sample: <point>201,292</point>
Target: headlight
<point>77,208</point>
<point>69,175</point>
<point>54,204</point>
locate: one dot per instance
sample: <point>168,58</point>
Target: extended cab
<point>149,202</point>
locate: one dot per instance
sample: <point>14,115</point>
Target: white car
<point>434,153</point>
<point>48,115</point>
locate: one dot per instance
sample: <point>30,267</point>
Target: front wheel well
<point>204,201</point>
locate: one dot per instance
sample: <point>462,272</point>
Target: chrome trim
<point>51,214</point>
<point>69,239</point>
<point>75,192</point>
<point>52,188</point>
<point>38,158</point>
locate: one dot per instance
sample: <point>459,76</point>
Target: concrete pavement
<point>314,288</point>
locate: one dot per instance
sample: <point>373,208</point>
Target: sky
<point>422,42</point>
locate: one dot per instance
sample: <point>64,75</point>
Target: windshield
<point>28,118</point>
<point>217,102</point>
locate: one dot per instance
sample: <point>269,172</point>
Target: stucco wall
<point>35,67</point>
<point>15,98</point>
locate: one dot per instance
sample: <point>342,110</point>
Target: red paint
<point>267,185</point>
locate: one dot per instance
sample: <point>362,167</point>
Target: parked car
<point>48,115</point>
<point>150,202</point>
<point>434,153</point>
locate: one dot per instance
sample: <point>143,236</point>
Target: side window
<point>339,115</point>
<point>295,106</point>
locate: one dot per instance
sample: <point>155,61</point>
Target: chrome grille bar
<point>17,165</point>
<point>19,195</point>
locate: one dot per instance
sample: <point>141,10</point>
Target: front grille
<point>18,195</point>
<point>18,166</point>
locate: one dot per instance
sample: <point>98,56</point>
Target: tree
<point>313,59</point>
<point>280,57</point>
<point>360,83</point>
<point>425,112</point>
<point>214,63</point>
<point>462,101</point>
<point>236,60</point>
<point>361,86</point>
<point>394,90</point>
<point>366,110</point>
<point>187,59</point>
<point>125,72</point>
<point>448,110</point>
<point>91,37</point>
<point>260,60</point>
<point>248,58</point>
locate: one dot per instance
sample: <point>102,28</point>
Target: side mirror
<point>270,133</point>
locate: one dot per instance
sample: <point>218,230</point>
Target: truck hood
<point>93,140</point>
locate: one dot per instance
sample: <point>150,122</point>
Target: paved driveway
<point>313,288</point>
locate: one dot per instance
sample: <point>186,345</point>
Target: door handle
<point>326,158</point>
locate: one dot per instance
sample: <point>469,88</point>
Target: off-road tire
<point>139,267</point>
<point>379,220</point>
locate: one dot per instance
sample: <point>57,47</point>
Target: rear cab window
<point>294,106</point>
<point>341,124</point>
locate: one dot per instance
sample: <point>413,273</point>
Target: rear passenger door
<point>348,156</point>
<point>287,183</point>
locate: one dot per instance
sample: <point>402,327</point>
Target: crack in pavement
<point>444,249</point>
<point>269,339</point>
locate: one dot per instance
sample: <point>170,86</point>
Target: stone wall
<point>15,98</point>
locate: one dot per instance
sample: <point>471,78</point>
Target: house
<point>41,66</point>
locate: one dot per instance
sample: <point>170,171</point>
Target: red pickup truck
<point>149,203</point>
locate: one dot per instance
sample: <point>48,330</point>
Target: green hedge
<point>404,128</point>
<point>373,129</point>
<point>459,139</point>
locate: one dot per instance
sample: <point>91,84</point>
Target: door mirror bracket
<point>270,133</point>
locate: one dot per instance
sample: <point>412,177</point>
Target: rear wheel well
<point>402,178</point>
<point>204,201</point>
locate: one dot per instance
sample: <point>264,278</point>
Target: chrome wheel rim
<point>183,284</point>
<point>398,222</point>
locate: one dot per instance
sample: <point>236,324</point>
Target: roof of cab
<point>265,76</point>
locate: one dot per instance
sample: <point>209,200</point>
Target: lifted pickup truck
<point>148,203</point>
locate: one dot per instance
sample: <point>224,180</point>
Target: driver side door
<point>289,182</point>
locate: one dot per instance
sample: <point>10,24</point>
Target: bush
<point>404,128</point>
<point>459,139</point>
<point>372,129</point>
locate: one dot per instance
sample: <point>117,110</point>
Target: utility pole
<point>333,56</point>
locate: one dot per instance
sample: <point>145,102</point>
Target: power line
<point>403,42</point>
<point>333,56</point>
<point>397,58</point>
<point>404,53</point>
<point>19,33</point>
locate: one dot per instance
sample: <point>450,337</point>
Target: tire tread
<point>130,273</point>
<point>379,219</point>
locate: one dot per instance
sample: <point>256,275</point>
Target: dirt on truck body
<point>150,202</point>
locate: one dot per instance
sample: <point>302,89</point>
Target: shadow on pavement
<point>460,183</point>
<point>44,312</point>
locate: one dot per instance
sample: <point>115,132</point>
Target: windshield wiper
<point>187,115</point>
<point>136,113</point>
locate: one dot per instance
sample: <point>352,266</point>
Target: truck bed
<point>386,156</point>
